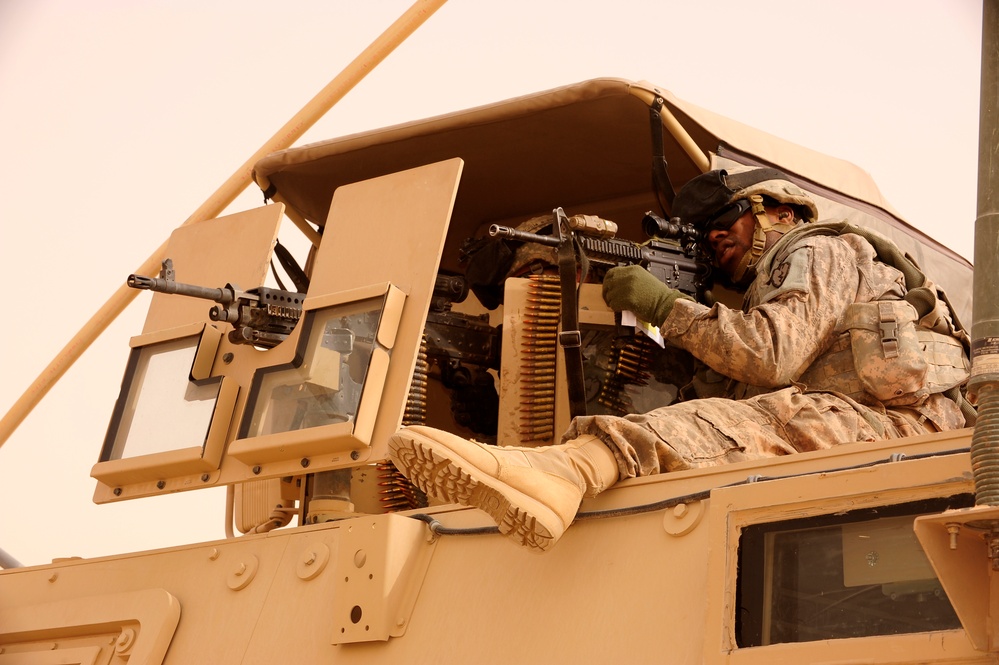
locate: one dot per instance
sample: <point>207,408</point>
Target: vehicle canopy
<point>589,148</point>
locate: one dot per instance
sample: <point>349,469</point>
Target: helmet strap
<point>763,227</point>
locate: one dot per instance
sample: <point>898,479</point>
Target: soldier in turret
<point>839,339</point>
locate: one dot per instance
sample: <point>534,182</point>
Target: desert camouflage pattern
<point>782,191</point>
<point>783,357</point>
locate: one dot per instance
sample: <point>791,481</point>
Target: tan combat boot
<point>532,493</point>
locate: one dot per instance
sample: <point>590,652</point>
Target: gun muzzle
<point>140,282</point>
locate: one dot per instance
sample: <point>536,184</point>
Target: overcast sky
<point>118,118</point>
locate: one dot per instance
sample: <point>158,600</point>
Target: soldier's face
<point>730,245</point>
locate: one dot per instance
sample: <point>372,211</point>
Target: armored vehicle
<point>431,293</point>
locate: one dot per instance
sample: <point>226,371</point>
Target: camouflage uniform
<point>773,352</point>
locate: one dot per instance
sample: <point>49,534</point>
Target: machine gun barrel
<point>160,285</point>
<point>497,231</point>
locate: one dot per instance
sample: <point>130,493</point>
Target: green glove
<point>634,288</point>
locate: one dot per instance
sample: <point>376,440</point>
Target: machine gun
<point>261,316</point>
<point>464,347</point>
<point>585,241</point>
<point>458,338</point>
<point>672,264</point>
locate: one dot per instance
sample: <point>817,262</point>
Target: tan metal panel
<point>235,249</point>
<point>358,250</point>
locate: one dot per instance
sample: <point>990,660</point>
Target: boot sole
<point>445,476</point>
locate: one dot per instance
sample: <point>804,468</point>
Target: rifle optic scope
<point>655,226</point>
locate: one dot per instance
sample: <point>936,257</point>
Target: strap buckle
<point>889,329</point>
<point>570,339</point>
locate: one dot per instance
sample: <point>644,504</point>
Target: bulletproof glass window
<point>169,408</point>
<point>172,416</point>
<point>855,574</point>
<point>325,382</point>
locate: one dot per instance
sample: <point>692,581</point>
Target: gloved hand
<point>634,288</point>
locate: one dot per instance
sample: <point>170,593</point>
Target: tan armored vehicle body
<point>288,395</point>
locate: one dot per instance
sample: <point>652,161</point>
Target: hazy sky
<point>119,117</point>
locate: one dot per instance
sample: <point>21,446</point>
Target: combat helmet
<point>720,197</point>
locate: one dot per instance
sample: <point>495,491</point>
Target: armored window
<point>854,574</point>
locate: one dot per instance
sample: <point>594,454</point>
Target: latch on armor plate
<point>381,563</point>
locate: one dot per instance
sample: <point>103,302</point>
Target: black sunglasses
<point>727,216</point>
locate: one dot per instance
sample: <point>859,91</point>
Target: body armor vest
<point>896,350</point>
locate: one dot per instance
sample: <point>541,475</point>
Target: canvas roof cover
<point>587,148</point>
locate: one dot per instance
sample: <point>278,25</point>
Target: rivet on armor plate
<point>682,518</point>
<point>242,573</point>
<point>313,561</point>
